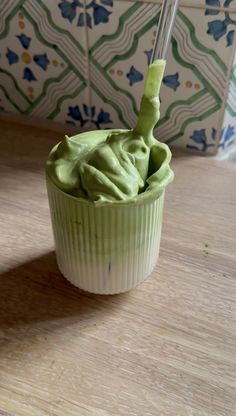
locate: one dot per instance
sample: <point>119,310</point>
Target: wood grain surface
<point>165,348</point>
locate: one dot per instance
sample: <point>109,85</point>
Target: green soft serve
<point>116,166</point>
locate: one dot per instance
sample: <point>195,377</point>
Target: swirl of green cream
<point>105,166</point>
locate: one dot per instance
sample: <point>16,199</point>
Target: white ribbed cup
<point>105,249</point>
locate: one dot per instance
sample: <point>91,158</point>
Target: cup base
<point>107,249</point>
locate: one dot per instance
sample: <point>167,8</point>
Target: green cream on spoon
<point>116,165</point>
<point>149,112</point>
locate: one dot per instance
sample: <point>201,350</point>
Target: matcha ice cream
<point>116,165</point>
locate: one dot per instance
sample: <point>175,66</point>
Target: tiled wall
<point>84,63</point>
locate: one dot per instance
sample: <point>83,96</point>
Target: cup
<point>111,248</point>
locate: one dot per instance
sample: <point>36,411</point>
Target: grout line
<point>191,6</point>
<point>89,91</point>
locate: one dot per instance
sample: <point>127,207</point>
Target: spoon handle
<point>164,29</point>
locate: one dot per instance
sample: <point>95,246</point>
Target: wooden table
<point>166,348</point>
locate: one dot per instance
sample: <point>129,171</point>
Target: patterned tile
<point>196,75</point>
<point>42,63</point>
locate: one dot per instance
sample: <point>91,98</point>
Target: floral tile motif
<point>203,138</point>
<point>78,113</point>
<point>70,111</point>
<point>109,114</point>
<point>228,135</point>
<point>90,15</point>
<point>221,25</point>
<point>24,59</point>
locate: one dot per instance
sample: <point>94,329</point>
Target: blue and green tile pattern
<point>83,62</point>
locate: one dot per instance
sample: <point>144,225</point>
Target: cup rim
<point>114,204</point>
